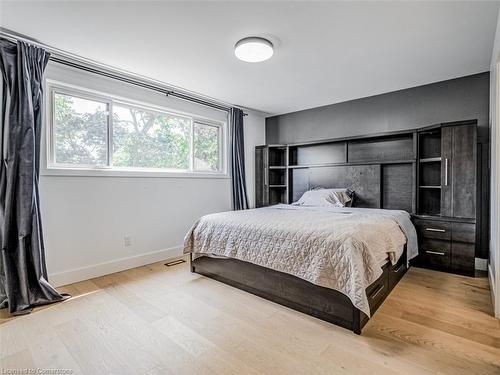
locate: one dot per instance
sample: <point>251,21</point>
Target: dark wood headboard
<point>380,169</point>
<point>363,179</point>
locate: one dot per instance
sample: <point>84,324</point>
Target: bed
<point>334,263</point>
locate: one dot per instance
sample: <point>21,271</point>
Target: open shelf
<point>318,154</point>
<point>277,177</point>
<point>277,156</point>
<point>430,202</point>
<point>277,196</point>
<point>429,144</point>
<point>429,172</point>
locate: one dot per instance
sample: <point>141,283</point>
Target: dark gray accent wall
<point>453,100</point>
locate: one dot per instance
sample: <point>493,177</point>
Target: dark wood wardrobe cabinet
<point>446,179</point>
<point>458,195</point>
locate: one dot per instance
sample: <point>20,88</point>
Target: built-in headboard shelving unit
<point>368,163</point>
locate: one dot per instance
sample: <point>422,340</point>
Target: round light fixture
<point>253,49</point>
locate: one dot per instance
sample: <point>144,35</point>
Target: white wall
<point>494,264</point>
<point>85,219</point>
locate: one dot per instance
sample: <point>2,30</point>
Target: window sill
<point>96,172</point>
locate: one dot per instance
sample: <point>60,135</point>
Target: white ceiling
<point>326,52</point>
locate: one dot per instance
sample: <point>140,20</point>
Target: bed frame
<point>380,168</point>
<point>298,294</point>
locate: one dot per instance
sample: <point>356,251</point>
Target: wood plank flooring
<point>165,320</point>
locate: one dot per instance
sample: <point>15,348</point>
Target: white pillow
<point>324,198</point>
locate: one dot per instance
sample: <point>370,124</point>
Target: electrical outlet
<point>127,240</point>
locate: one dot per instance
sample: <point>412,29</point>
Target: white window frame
<point>51,167</point>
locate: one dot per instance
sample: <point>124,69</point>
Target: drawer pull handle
<point>401,266</point>
<point>380,288</point>
<point>435,230</point>
<point>434,252</point>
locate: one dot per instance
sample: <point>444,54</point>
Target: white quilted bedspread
<point>337,248</point>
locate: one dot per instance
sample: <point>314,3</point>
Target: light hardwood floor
<point>159,320</point>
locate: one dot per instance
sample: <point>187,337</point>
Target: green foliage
<point>141,139</point>
<point>79,138</point>
<point>150,140</point>
<point>206,147</point>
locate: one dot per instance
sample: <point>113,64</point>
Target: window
<point>145,139</point>
<point>206,147</point>
<point>89,131</point>
<point>80,129</point>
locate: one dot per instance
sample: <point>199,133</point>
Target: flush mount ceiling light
<point>253,49</point>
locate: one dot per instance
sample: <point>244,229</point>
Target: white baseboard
<point>493,292</point>
<point>101,269</point>
<point>481,264</point>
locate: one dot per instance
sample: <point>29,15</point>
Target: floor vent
<point>175,262</point>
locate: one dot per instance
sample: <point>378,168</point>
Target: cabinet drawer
<point>433,229</point>
<point>378,290</point>
<point>463,232</point>
<point>435,253</point>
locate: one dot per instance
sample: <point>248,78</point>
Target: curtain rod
<point>75,61</point>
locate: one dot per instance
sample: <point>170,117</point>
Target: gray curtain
<point>239,190</point>
<point>23,274</point>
